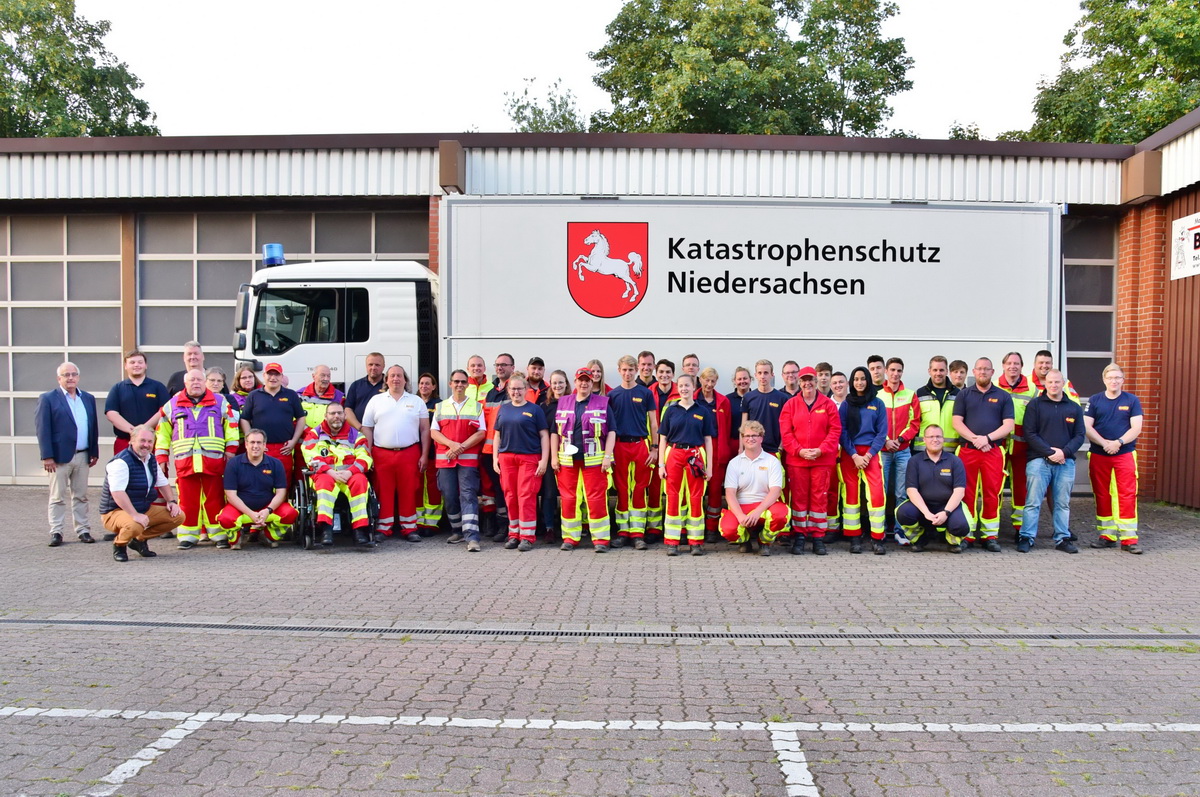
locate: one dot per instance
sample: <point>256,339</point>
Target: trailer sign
<point>1185,235</point>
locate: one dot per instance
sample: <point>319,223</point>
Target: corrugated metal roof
<point>792,174</point>
<point>1181,161</point>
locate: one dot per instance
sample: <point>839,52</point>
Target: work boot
<point>878,549</point>
<point>639,544</point>
<point>142,548</point>
<point>617,542</point>
<point>855,545</point>
<point>697,549</point>
<point>765,550</point>
<point>819,547</point>
<point>119,553</point>
<point>672,550</point>
<point>325,534</point>
<point>512,543</point>
<point>361,537</point>
<point>1131,548</point>
<point>1104,542</point>
<point>525,546</point>
<point>991,545</point>
<point>798,544</point>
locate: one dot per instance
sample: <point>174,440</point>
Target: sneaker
<point>223,545</point>
<point>672,550</point>
<point>878,549</point>
<point>1131,548</point>
<point>473,546</point>
<point>601,547</point>
<point>454,539</point>
<point>512,543</point>
<point>525,545</point>
<point>991,545</point>
<point>1066,546</point>
<point>639,544</point>
<point>697,549</point>
<point>566,546</point>
<point>187,545</point>
<point>1025,543</point>
<point>1104,542</point>
<point>901,539</point>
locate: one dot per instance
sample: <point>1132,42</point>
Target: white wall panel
<point>1181,161</point>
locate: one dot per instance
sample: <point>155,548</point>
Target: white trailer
<point>733,280</point>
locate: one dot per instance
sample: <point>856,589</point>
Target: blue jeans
<point>895,471</point>
<point>1041,474</point>
<point>460,492</point>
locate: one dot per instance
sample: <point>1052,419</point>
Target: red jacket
<point>723,449</point>
<point>801,427</point>
<point>903,414</point>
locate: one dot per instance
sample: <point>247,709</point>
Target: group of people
<point>521,453</point>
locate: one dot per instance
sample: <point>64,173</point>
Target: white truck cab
<point>335,313</point>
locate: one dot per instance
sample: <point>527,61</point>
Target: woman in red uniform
<point>685,445</point>
<point>723,450</point>
<point>429,511</point>
<point>522,445</point>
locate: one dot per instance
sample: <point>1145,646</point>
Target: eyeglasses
<point>750,436</point>
<point>458,381</point>
<point>502,365</point>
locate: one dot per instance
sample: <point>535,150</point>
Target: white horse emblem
<point>599,262</point>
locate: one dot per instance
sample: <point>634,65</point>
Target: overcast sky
<point>397,66</point>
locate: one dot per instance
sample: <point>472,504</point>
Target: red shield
<point>607,265</point>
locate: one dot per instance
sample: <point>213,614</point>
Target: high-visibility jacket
<point>345,449</point>
<point>314,404</point>
<point>492,399</point>
<point>1068,388</point>
<point>662,405</point>
<point>803,427</point>
<point>903,414</point>
<point>595,428</point>
<point>197,435</point>
<point>458,424</point>
<point>1022,393</point>
<point>939,412</point>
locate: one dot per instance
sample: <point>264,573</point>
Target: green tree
<point>1131,67</point>
<point>560,114</point>
<point>58,79</point>
<point>862,69</point>
<point>967,132</point>
<point>732,66</point>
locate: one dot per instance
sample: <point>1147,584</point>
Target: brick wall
<point>1141,284</point>
<point>435,205</point>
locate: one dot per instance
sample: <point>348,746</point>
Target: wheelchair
<point>304,499</point>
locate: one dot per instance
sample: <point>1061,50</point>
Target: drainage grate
<point>596,633</point>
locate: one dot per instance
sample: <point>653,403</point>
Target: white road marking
<point>785,736</point>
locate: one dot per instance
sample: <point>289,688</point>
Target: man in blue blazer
<point>69,438</point>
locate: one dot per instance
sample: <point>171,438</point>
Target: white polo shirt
<point>753,478</point>
<point>395,423</point>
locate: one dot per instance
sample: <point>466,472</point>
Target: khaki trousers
<point>70,481</point>
<point>122,524</point>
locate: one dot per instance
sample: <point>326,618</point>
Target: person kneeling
<point>338,456</point>
<point>131,480</point>
<point>935,482</point>
<point>256,492</point>
<point>753,482</point>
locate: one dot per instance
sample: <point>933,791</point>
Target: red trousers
<point>809,499</point>
<point>592,482</point>
<point>985,474</point>
<point>521,482</point>
<point>774,519</point>
<point>119,445</point>
<point>631,479</point>
<point>684,492</point>
<point>1115,477</point>
<point>1014,465</point>
<point>398,487</point>
<point>716,496</point>
<point>835,495</point>
<point>232,521</point>
<point>273,450</point>
<point>201,497</point>
<point>853,495</point>
<point>654,503</point>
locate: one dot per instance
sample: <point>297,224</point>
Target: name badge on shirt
<point>527,414</point>
<point>636,400</point>
<point>773,404</point>
<point>151,395</point>
<point>818,412</point>
<point>993,401</point>
<point>1069,420</point>
<point>946,471</point>
<point>282,398</point>
<point>267,471</point>
<point>762,467</point>
<point>1124,407</point>
<point>697,417</point>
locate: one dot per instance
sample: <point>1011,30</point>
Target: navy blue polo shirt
<point>360,392</point>
<point>135,403</point>
<point>765,408</point>
<point>688,427</point>
<point>627,409</point>
<point>255,484</point>
<point>735,412</point>
<point>520,428</point>
<point>983,412</point>
<point>276,415</point>
<point>1111,418</point>
<point>935,481</point>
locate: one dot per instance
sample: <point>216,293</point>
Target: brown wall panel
<point>1179,471</point>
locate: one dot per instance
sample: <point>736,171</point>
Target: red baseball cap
<point>273,367</point>
<point>584,373</point>
<point>808,371</point>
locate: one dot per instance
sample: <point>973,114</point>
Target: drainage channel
<point>516,633</point>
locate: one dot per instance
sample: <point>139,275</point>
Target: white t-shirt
<point>753,478</point>
<point>395,423</point>
<point>118,474</point>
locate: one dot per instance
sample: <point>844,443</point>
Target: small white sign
<point>1185,250</point>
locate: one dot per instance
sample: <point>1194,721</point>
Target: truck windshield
<point>287,317</point>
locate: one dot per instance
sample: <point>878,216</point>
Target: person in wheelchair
<point>338,458</point>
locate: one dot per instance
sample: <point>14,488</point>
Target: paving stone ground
<point>872,665</point>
